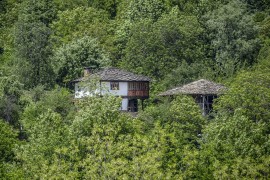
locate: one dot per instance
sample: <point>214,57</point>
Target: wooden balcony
<point>138,93</point>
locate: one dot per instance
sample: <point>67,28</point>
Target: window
<point>114,85</point>
<point>138,86</point>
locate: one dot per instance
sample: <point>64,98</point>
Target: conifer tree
<point>32,44</point>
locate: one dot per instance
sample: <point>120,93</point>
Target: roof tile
<point>115,74</point>
<point>201,86</point>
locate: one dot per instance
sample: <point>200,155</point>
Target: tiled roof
<point>201,86</point>
<point>115,74</point>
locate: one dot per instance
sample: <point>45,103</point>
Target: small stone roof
<point>201,86</point>
<point>115,74</point>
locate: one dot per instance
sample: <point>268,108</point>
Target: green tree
<point>236,142</point>
<point>8,17</point>
<point>48,134</point>
<point>233,38</point>
<point>258,5</point>
<point>237,147</point>
<point>32,43</point>
<point>101,142</point>
<point>85,21</point>
<point>186,73</point>
<point>100,131</point>
<point>38,101</point>
<point>110,6</point>
<point>8,141</point>
<point>176,130</point>
<point>79,22</point>
<point>192,7</point>
<point>10,92</point>
<point>71,58</point>
<point>69,4</point>
<point>170,40</point>
<point>112,144</point>
<point>250,93</point>
<point>130,13</point>
<point>45,121</point>
<point>149,9</point>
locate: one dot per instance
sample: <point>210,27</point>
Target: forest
<point>45,44</point>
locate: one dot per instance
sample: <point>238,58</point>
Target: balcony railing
<point>138,93</point>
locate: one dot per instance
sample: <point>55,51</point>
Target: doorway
<point>133,105</point>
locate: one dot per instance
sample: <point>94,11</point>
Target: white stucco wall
<point>123,89</point>
<point>124,104</point>
<point>81,91</point>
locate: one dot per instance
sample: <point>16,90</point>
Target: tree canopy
<point>45,133</point>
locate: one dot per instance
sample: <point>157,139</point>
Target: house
<point>127,85</point>
<point>203,91</point>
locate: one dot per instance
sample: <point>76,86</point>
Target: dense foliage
<point>46,134</point>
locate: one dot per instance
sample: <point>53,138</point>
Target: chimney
<point>87,71</point>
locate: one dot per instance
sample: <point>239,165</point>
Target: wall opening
<point>133,105</point>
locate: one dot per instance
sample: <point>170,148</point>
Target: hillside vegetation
<point>45,134</point>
